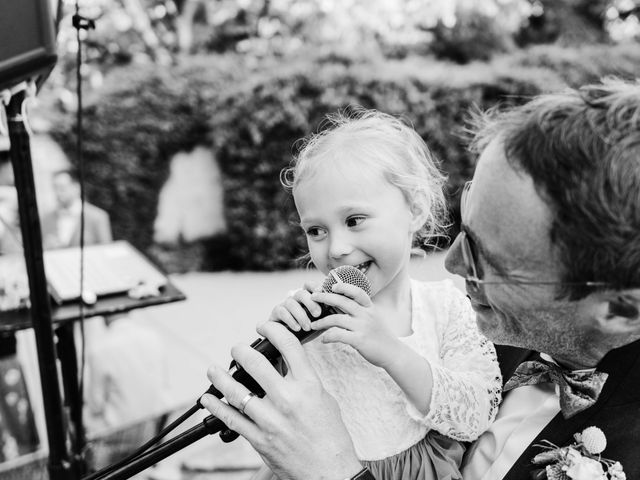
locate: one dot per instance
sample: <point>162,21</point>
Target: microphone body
<point>343,274</point>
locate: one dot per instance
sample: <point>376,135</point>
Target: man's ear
<point>622,311</point>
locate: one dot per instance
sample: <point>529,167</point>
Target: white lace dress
<point>389,434</point>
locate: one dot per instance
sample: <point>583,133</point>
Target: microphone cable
<point>80,23</point>
<point>145,448</point>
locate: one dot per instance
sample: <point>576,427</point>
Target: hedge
<point>252,114</point>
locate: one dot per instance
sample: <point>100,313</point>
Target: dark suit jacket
<point>97,228</point>
<point>616,413</point>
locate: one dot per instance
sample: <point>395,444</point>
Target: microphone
<point>342,274</point>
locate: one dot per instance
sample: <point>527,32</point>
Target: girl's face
<point>354,216</point>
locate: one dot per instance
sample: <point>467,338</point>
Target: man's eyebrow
<point>493,260</point>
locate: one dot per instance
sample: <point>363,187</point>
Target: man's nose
<point>454,262</point>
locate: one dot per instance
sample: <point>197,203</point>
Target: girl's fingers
<point>341,302</point>
<point>312,286</point>
<point>339,335</point>
<point>303,297</point>
<point>355,293</point>
<point>282,314</point>
<point>341,321</point>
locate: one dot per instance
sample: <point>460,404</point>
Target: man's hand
<point>296,427</point>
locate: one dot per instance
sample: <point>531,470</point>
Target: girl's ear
<point>418,217</point>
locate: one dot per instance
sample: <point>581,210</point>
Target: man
<point>61,226</point>
<point>550,250</point>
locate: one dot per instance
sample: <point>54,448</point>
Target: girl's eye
<point>315,232</point>
<point>355,220</point>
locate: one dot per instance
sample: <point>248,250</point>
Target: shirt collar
<point>73,209</point>
<point>549,358</point>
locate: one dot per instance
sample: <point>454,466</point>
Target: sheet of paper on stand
<point>109,269</point>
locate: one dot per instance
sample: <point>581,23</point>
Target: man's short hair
<point>582,149</point>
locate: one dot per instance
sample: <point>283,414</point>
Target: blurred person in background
<point>61,225</point>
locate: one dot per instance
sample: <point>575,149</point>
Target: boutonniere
<point>579,461</point>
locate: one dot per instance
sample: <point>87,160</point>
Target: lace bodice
<point>466,388</point>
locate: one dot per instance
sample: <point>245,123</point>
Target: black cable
<point>142,450</point>
<point>80,163</point>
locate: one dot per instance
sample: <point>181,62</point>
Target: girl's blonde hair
<point>379,140</point>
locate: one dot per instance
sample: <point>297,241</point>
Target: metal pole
<point>209,426</point>
<point>59,465</point>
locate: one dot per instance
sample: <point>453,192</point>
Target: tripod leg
<point>72,394</point>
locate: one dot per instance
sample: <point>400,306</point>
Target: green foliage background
<point>252,113</point>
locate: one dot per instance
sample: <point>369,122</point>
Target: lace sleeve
<point>467,384</point>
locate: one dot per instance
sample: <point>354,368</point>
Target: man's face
<point>65,189</point>
<point>508,226</point>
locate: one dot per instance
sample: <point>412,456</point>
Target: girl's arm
<point>412,373</point>
<point>362,327</point>
<point>458,396</point>
<point>467,383</point>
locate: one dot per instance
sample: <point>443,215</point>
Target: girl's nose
<point>340,246</point>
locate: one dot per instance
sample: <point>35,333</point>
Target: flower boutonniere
<point>579,461</point>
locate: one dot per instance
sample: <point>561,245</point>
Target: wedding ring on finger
<point>245,400</point>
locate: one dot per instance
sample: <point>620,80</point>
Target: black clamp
<point>83,23</point>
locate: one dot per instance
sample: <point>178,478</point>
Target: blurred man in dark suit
<point>61,226</point>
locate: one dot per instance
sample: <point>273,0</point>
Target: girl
<point>412,375</point>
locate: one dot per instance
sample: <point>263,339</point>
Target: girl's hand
<point>361,325</point>
<point>291,313</point>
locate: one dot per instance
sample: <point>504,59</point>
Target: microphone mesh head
<point>346,274</point>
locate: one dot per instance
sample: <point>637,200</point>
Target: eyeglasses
<point>470,261</point>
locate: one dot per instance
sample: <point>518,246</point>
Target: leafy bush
<point>252,115</point>
<point>130,132</point>
<point>475,36</point>
<point>584,64</point>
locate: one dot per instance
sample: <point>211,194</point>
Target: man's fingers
<point>289,347</point>
<point>233,391</point>
<point>231,417</point>
<point>256,365</point>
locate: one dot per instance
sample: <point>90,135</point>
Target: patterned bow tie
<point>578,390</point>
